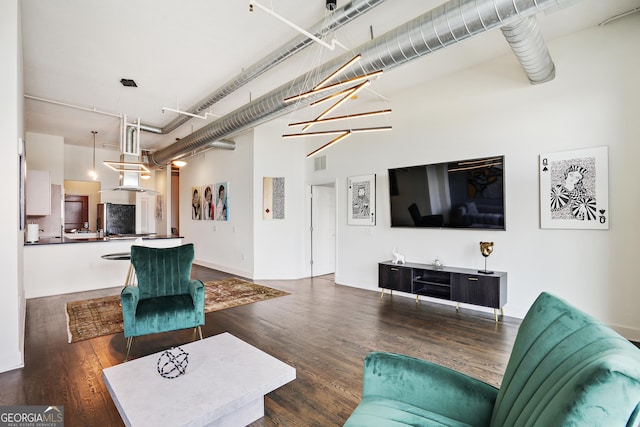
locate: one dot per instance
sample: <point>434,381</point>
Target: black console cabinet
<point>448,283</point>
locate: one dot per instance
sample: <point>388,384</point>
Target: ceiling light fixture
<point>342,134</point>
<point>347,94</point>
<point>344,96</point>
<point>179,163</point>
<point>128,83</point>
<point>338,118</point>
<point>127,166</point>
<point>205,117</point>
<point>92,173</point>
<point>333,86</point>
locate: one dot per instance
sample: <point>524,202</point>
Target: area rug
<point>103,316</point>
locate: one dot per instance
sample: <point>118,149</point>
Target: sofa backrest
<point>567,368</point>
<point>162,271</point>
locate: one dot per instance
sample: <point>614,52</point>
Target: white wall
<point>225,245</point>
<point>492,110</point>
<point>46,152</point>
<point>12,303</point>
<point>279,251</point>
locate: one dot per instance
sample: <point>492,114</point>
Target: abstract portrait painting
<point>222,201</point>
<point>574,189</point>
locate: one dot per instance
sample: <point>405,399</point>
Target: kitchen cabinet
<point>38,193</point>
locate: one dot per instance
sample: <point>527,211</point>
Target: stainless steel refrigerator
<point>116,219</point>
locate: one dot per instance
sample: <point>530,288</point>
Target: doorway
<point>323,229</point>
<point>89,189</point>
<point>76,213</point>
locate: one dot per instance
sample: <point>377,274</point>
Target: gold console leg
<point>382,293</point>
<point>457,306</point>
<point>417,299</point>
<point>502,311</point>
<point>495,314</point>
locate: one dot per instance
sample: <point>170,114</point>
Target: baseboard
<point>39,293</point>
<point>225,268</point>
<point>9,362</point>
<point>248,274</point>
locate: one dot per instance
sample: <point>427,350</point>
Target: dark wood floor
<point>322,329</point>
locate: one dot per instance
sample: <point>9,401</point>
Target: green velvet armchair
<point>166,298</point>
<point>566,369</point>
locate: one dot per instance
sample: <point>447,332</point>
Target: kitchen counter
<point>58,240</point>
<point>61,266</point>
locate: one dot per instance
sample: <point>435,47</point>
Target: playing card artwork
<point>362,200</point>
<point>574,189</point>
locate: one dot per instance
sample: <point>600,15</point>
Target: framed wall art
<point>574,189</point>
<point>207,202</point>
<point>222,201</point>
<point>196,203</point>
<point>362,200</point>
<point>273,198</point>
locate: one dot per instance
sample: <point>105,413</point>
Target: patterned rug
<point>103,316</point>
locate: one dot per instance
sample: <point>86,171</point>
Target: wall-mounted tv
<point>461,194</point>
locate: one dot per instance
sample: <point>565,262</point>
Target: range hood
<point>130,168</point>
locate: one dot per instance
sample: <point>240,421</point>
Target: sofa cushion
<point>377,411</point>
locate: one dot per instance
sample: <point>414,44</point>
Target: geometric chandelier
<point>358,83</point>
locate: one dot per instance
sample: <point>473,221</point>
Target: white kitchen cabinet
<point>38,193</point>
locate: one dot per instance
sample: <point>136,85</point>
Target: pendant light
<point>92,173</point>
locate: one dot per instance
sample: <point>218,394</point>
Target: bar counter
<point>60,266</point>
<point>64,240</point>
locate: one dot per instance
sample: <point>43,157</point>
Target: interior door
<point>145,215</point>
<point>323,230</point>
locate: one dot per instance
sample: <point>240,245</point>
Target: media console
<point>461,285</point>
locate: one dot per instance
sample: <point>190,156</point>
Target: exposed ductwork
<point>528,45</point>
<point>336,20</point>
<point>443,26</point>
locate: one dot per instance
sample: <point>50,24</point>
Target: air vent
<point>320,163</point>
<point>128,82</point>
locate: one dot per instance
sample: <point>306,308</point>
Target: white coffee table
<point>224,385</point>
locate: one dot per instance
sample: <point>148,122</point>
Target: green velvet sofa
<point>166,298</point>
<point>566,369</point>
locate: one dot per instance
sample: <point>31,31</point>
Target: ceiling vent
<point>320,163</point>
<point>128,83</point>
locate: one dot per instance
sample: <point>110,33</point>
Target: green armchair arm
<point>196,289</point>
<point>129,298</point>
<point>429,386</point>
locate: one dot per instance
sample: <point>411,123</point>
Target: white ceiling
<point>178,52</point>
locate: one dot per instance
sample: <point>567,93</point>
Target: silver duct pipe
<point>527,43</point>
<point>443,26</point>
<point>227,145</point>
<point>223,144</point>
<point>336,20</point>
<point>150,128</point>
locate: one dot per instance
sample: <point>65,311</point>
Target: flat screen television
<point>460,194</point>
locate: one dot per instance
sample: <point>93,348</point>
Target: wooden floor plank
<point>322,329</point>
